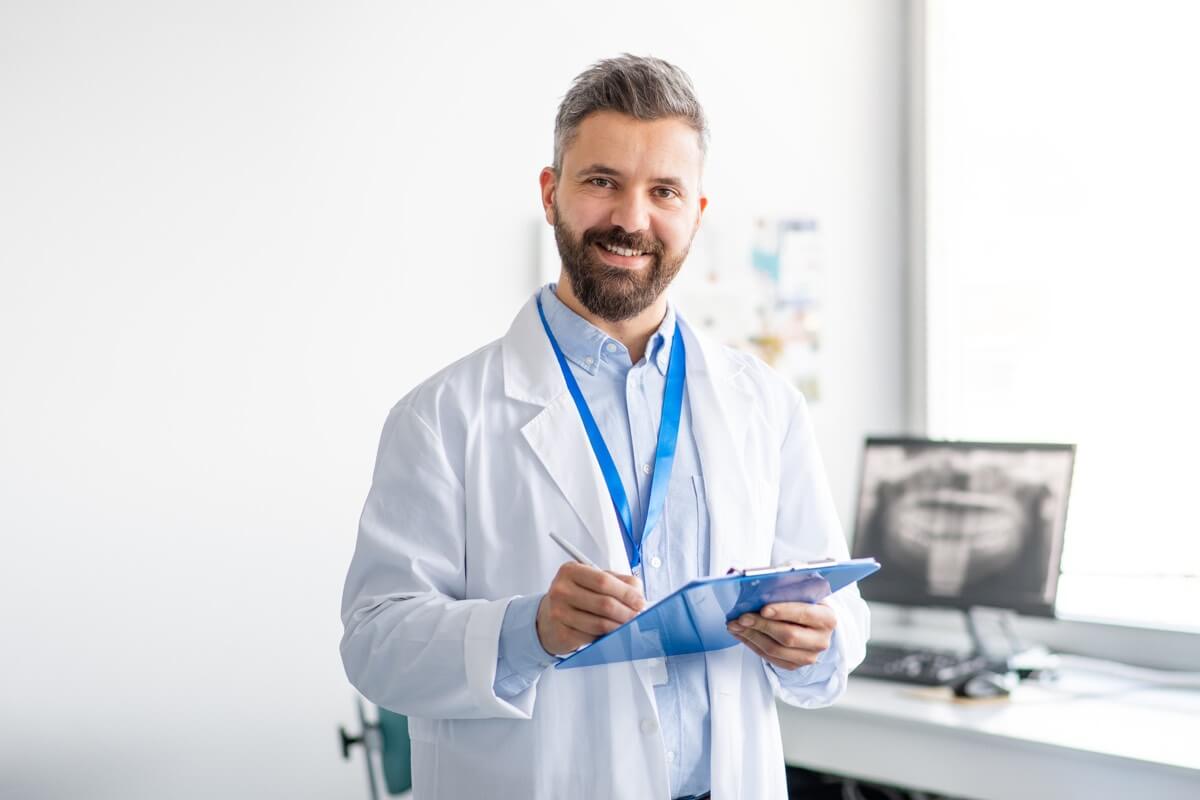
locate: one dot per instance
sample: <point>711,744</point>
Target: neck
<point>634,332</point>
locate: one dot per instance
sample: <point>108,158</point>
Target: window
<point>1062,272</point>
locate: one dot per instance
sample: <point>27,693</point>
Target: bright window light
<point>1063,253</point>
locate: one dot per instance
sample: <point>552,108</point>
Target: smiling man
<point>624,243</point>
<point>601,416</point>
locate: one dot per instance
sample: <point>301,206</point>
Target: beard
<point>613,293</point>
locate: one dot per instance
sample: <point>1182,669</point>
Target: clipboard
<point>692,619</point>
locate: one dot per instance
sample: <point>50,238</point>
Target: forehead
<point>634,147</point>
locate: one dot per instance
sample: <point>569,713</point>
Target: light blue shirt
<point>626,400</point>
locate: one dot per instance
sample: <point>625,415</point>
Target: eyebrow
<point>601,169</point>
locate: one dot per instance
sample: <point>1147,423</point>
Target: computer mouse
<point>983,684</point>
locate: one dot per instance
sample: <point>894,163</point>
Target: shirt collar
<point>585,345</point>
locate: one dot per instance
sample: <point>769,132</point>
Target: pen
<point>572,550</point>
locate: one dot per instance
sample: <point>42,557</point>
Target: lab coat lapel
<point>557,435</point>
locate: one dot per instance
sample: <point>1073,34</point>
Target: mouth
<point>623,257</point>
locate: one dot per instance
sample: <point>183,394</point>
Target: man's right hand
<point>584,603</point>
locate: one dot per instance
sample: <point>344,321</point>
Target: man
<point>457,600</point>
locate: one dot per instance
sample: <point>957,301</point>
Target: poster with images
<point>786,256</point>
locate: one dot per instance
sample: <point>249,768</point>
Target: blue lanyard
<point>664,454</point>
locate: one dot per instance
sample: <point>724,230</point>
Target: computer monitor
<point>964,524</point>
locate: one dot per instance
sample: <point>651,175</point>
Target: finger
<point>600,605</point>
<point>586,623</point>
<point>601,582</point>
<point>753,647</point>
<point>636,583</point>
<point>565,593</point>
<point>789,634</point>
<point>773,648</point>
<point>793,636</point>
<point>782,663</point>
<point>812,615</point>
<point>765,643</point>
<point>787,657</point>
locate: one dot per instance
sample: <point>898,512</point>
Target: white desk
<point>1086,737</point>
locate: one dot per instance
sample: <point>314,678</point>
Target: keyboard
<point>918,665</point>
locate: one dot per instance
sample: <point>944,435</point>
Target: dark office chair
<point>387,738</point>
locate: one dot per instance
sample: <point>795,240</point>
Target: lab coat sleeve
<point>412,641</point>
<point>806,529</point>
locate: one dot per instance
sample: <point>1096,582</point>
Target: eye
<point>603,183</point>
<point>665,192</point>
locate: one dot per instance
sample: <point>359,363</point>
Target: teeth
<point>621,251</point>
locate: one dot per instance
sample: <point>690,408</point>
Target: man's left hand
<point>788,635</point>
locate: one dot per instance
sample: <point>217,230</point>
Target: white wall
<point>233,234</point>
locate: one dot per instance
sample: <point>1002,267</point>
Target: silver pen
<point>571,550</point>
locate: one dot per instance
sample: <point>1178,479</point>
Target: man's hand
<point>584,603</point>
<point>789,635</point>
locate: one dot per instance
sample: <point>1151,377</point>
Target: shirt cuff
<point>521,659</point>
<point>812,679</point>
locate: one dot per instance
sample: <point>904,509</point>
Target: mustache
<point>616,237</point>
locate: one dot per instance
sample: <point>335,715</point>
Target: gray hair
<point>642,87</point>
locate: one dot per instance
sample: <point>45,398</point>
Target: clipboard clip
<point>788,567</point>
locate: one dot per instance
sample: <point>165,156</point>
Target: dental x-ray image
<point>964,524</point>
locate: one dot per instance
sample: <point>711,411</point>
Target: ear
<point>549,182</point>
<point>703,205</point>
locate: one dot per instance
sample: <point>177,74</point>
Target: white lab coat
<point>475,466</point>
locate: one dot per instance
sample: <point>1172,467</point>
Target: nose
<point>631,212</point>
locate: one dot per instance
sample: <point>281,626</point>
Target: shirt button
<point>656,562</point>
<point>670,756</point>
<point>610,347</point>
<point>649,726</point>
<point>646,468</point>
<point>588,360</point>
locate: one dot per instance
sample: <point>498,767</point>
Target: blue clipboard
<point>692,619</point>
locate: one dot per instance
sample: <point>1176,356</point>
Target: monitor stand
<point>1014,656</point>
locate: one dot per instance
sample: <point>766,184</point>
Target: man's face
<point>625,208</point>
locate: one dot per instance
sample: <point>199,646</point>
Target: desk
<point>1081,737</point>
